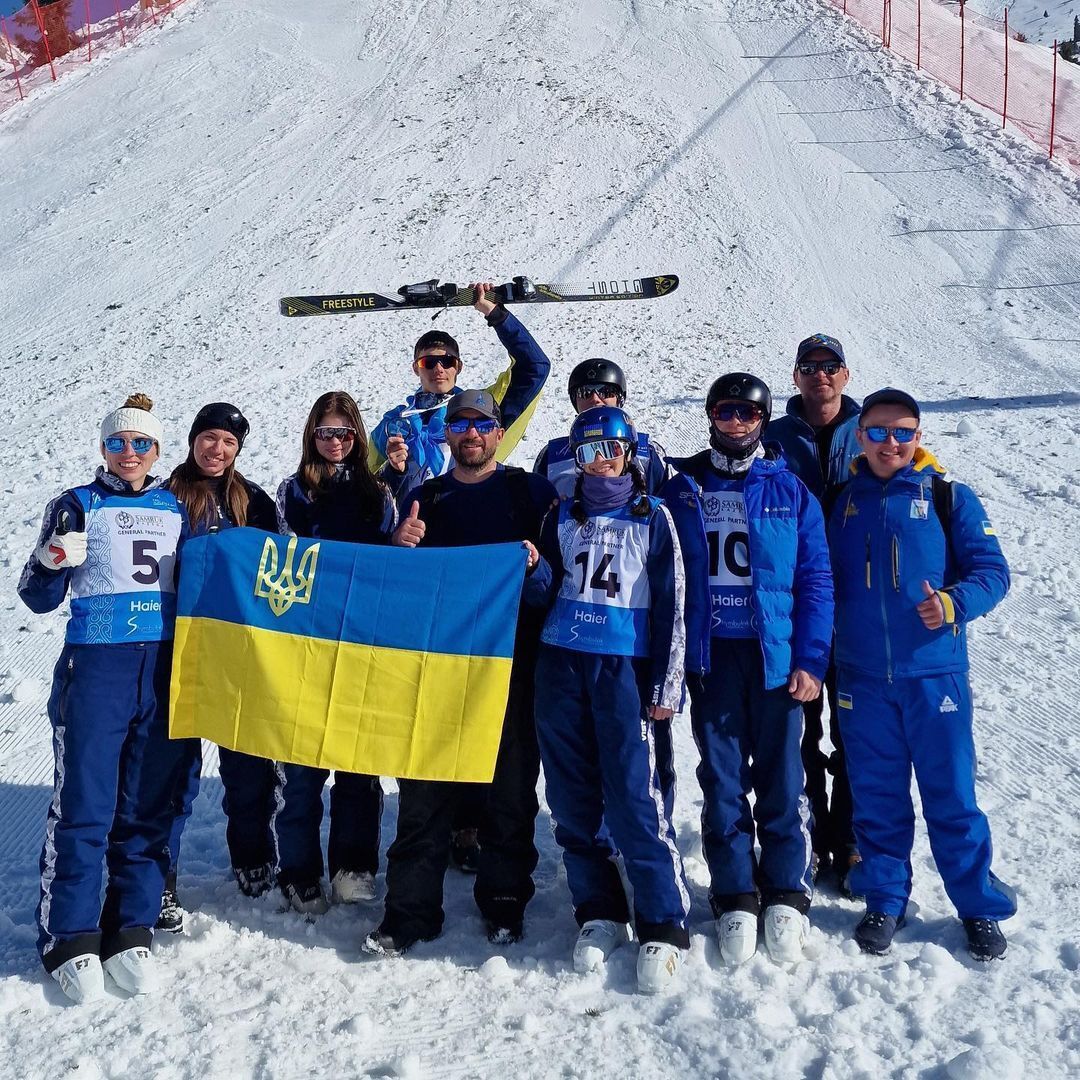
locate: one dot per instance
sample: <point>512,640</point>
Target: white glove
<point>63,549</point>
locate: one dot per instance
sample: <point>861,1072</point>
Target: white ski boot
<point>598,939</point>
<point>737,933</point>
<point>81,978</point>
<point>352,886</point>
<point>785,932</point>
<point>134,970</point>
<point>657,964</point>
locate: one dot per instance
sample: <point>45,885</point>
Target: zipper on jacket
<point>896,563</point>
<point>868,560</point>
<point>881,593</point>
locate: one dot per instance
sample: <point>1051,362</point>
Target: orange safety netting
<point>47,37</point>
<point>1029,86</point>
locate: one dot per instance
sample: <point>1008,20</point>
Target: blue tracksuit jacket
<point>792,587</point>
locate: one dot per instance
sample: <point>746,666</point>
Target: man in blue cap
<point>914,561</point>
<point>817,437</point>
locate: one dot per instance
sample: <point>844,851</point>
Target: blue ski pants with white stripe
<point>115,773</point>
<point>888,728</point>
<point>603,788</point>
<point>749,740</point>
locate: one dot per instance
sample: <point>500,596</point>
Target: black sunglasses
<point>434,360</point>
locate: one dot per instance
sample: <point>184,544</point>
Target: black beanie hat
<point>223,416</point>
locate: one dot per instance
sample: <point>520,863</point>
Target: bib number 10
<point>602,580</point>
<point>736,554</point>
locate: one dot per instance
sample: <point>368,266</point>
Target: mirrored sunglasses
<point>607,449</point>
<point>483,426</point>
<point>435,360</point>
<point>115,444</point>
<point>881,434</point>
<point>812,367</point>
<point>603,391</point>
<point>737,410</point>
<point>328,433</point>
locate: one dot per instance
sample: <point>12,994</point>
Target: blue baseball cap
<point>820,341</point>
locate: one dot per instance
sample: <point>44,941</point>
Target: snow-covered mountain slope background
<point>156,205</point>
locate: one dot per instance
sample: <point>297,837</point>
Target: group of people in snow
<point>818,555</point>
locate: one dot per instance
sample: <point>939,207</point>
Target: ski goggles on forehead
<point>483,426</point>
<point>328,433</point>
<point>604,391</point>
<point>881,434</point>
<point>607,449</point>
<point>812,367</point>
<point>434,360</point>
<point>115,444</point>
<point>737,410</point>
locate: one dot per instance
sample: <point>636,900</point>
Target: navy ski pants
<point>749,740</point>
<point>249,801</point>
<point>356,802</point>
<point>925,723</point>
<point>603,787</point>
<point>115,773</point>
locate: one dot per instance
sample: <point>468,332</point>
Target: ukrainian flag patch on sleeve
<point>843,701</point>
<point>988,529</point>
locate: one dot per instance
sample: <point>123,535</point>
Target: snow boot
<point>875,931</point>
<point>465,851</point>
<point>171,918</point>
<point>785,932</point>
<point>134,970</point>
<point>306,897</point>
<point>737,932</point>
<point>254,880</point>
<point>380,943</point>
<point>657,964</point>
<point>596,941</point>
<point>352,886</point>
<point>81,978</point>
<point>985,941</point>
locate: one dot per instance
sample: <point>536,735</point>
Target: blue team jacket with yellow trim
<point>885,540</point>
<point>792,588</point>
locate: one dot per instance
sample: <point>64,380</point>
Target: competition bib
<point>730,575</point>
<point>126,589</point>
<point>603,602</point>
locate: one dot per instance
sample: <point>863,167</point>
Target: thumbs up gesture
<point>931,610</point>
<point>63,548</point>
<point>411,531</point>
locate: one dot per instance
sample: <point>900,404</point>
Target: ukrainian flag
<point>381,660</point>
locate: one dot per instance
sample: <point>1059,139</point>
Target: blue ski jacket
<point>792,586</point>
<point>334,515</point>
<point>261,513</point>
<point>798,442</point>
<point>517,390</point>
<point>886,540</point>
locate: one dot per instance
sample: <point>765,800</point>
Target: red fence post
<point>11,53</point>
<point>961,50</point>
<point>918,34</point>
<point>120,20</point>
<point>1005,99</point>
<point>44,37</point>
<point>89,47</point>
<point>1053,101</point>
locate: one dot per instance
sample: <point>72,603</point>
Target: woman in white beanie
<point>113,543</point>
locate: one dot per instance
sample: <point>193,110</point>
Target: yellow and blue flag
<point>380,660</point>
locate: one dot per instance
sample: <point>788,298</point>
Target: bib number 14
<point>602,580</point>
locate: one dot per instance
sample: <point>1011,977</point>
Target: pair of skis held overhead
<point>431,294</point>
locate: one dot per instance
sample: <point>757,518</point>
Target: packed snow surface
<point>157,203</point>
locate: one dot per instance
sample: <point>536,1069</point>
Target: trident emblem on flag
<point>282,590</point>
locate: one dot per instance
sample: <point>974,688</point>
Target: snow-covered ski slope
<point>155,207</point>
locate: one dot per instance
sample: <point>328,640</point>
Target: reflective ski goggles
<point>604,391</point>
<point>737,410</point>
<point>328,433</point>
<point>434,360</point>
<point>812,367</point>
<point>607,449</point>
<point>483,425</point>
<point>881,434</point>
<point>115,444</point>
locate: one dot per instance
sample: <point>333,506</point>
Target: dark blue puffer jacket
<point>798,443</point>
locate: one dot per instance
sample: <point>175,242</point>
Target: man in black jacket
<point>479,502</point>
